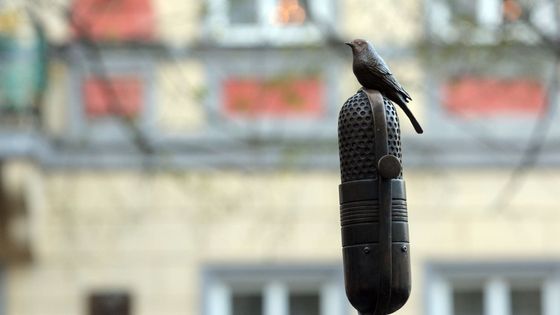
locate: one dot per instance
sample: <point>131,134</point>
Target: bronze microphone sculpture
<point>373,208</point>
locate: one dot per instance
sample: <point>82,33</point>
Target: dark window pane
<point>526,302</point>
<point>109,304</point>
<point>464,10</point>
<point>467,302</point>
<point>243,11</point>
<point>304,304</point>
<point>247,304</point>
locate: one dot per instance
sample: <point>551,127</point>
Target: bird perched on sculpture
<point>373,73</point>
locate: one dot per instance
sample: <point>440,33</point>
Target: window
<point>478,98</point>
<point>538,12</point>
<point>467,302</point>
<point>479,21</point>
<point>285,96</point>
<point>485,77</point>
<point>113,20</point>
<point>274,22</point>
<point>109,303</point>
<point>246,303</point>
<point>526,301</point>
<point>493,289</point>
<point>304,303</point>
<point>274,291</point>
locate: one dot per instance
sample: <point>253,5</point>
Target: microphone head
<point>356,138</point>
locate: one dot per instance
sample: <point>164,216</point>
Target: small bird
<point>373,73</point>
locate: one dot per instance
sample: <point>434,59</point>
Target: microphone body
<point>373,210</point>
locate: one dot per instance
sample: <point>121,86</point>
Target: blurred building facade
<point>180,157</point>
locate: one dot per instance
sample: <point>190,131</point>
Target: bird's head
<point>358,45</point>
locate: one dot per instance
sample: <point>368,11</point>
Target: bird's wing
<point>376,65</point>
<point>380,64</point>
<point>381,70</point>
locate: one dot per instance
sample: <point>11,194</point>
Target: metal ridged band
<point>368,212</point>
<point>359,212</point>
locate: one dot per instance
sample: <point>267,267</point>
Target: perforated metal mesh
<point>393,129</point>
<point>356,137</point>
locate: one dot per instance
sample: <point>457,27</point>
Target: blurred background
<point>180,157</point>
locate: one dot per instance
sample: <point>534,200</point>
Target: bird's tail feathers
<point>405,96</point>
<point>412,119</point>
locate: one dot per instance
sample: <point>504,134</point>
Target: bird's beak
<point>349,44</point>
